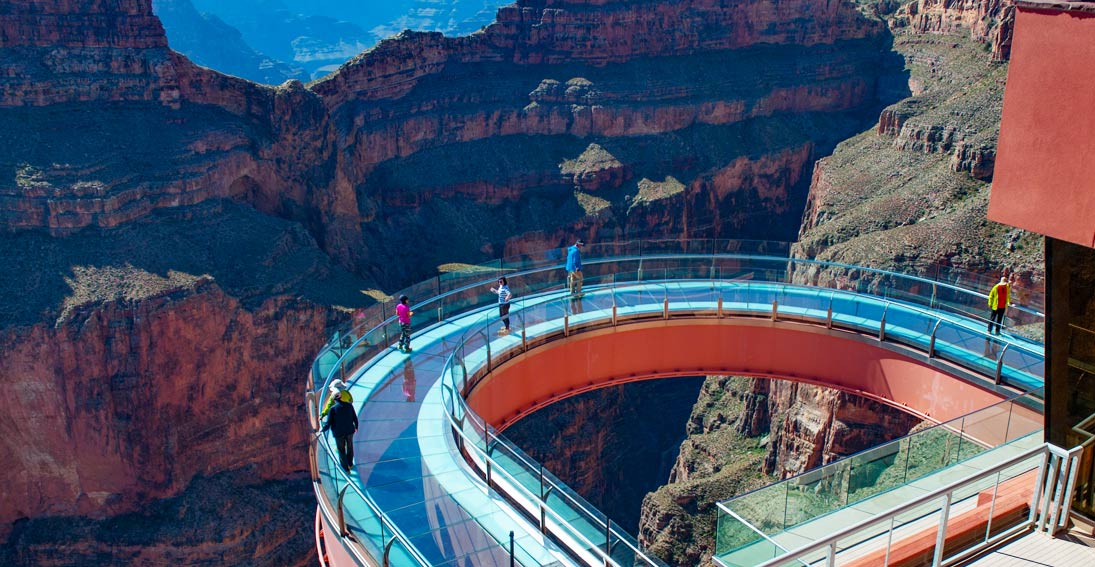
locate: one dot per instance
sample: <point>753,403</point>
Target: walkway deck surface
<point>1038,550</point>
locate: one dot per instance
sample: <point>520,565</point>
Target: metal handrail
<point>388,319</point>
<point>1046,450</point>
<point>492,464</point>
<point>384,520</point>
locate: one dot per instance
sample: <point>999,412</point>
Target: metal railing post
<point>941,537</point>
<point>1000,363</point>
<point>512,560</point>
<point>931,343</point>
<point>882,324</point>
<point>342,512</point>
<point>665,308</point>
<point>566,324</point>
<point>775,309</point>
<point>718,312</point>
<point>490,367</point>
<point>992,506</point>
<point>387,551</point>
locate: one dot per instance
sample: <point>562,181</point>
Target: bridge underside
<point>567,366</point>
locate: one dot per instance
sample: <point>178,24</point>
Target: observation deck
<point>436,483</point>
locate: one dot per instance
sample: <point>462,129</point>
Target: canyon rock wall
<point>988,21</point>
<point>912,194</point>
<point>125,381</point>
<point>711,82</point>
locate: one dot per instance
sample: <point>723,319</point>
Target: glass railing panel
<point>987,427</point>
<point>877,470</point>
<point>694,271</point>
<point>364,524</point>
<point>858,312</point>
<point>738,544</point>
<point>816,493</point>
<point>535,318</point>
<point>660,247</point>
<point>1011,495</point>
<point>625,278</point>
<point>399,555</point>
<point>909,326</point>
<point>327,463</point>
<point>455,276</point>
<point>533,260</point>
<point>931,450</point>
<point>765,508</point>
<point>971,348</point>
<point>633,296</point>
<point>776,270</point>
<point>1022,368</point>
<point>907,290</point>
<point>522,469</point>
<point>583,520</point>
<point>748,299</point>
<point>526,286</point>
<point>732,269</point>
<point>1026,417</point>
<point>599,250</point>
<point>458,302</point>
<point>625,550</point>
<point>811,303</point>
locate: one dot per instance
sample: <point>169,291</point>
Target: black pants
<point>996,320</point>
<point>345,447</point>
<point>503,312</point>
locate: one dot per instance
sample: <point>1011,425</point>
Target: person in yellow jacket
<point>999,300</point>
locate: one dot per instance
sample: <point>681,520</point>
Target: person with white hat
<point>337,387</point>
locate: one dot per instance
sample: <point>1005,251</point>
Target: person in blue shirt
<point>574,268</point>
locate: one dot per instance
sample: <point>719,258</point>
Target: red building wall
<point>1044,179</point>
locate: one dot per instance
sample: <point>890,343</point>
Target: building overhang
<point>1044,177</point>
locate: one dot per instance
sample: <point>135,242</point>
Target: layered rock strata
<point>124,381</point>
<point>551,78</point>
<point>912,194</point>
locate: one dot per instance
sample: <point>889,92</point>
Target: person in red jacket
<point>999,300</point>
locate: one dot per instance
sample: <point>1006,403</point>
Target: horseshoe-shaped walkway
<point>412,497</point>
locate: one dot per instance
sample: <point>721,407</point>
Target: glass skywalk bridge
<point>436,484</point>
